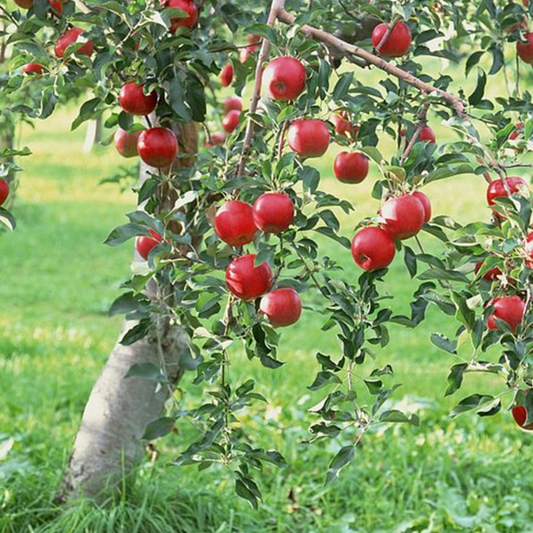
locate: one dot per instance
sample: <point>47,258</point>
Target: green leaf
<point>476,97</point>
<point>158,428</point>
<point>442,342</point>
<point>324,378</point>
<point>470,402</point>
<point>455,379</point>
<point>344,457</point>
<point>398,417</point>
<point>147,371</point>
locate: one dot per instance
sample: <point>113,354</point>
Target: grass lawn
<point>467,474</point>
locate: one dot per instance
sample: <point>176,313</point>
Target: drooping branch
<point>275,10</point>
<point>372,59</point>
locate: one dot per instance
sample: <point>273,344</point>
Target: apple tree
<point>228,236</point>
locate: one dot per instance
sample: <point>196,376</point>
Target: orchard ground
<point>58,280</point>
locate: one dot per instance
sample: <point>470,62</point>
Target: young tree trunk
<point>108,444</point>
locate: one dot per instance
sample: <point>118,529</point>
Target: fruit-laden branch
<point>275,10</point>
<point>350,49</point>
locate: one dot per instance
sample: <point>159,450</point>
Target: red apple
<point>273,212</point>
<point>226,76</point>
<point>397,43</point>
<point>427,134</point>
<point>231,121</point>
<point>284,79</point>
<point>517,132</point>
<point>529,249</point>
<point>403,215</point>
<point>351,168</point>
<point>309,137</point>
<point>491,274</point>
<point>344,127</point>
<point>510,309</point>
<point>158,147</point>
<point>33,69</point>
<point>282,307</point>
<point>133,100</point>
<point>234,223</point>
<point>233,103</point>
<point>217,138</point>
<point>70,37</point>
<point>525,49</point>
<point>188,7</point>
<point>146,244</point>
<point>424,200</point>
<point>255,41</point>
<point>4,191</point>
<point>58,5</point>
<point>496,189</point>
<point>24,4</point>
<point>126,143</point>
<point>520,417</point>
<point>373,248</point>
<point>247,281</point>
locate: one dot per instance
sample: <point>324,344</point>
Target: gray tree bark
<point>108,445</point>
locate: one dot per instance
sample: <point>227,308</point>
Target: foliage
<point>133,43</point>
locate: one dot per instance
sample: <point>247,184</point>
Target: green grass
<point>58,280</point>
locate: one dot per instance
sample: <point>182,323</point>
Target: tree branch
<point>422,119</point>
<point>350,49</point>
<point>275,10</point>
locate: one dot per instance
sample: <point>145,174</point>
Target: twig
<point>275,10</point>
<point>422,118</point>
<point>390,27</point>
<point>350,49</point>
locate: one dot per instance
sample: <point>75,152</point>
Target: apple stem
<point>275,9</point>
<point>353,50</point>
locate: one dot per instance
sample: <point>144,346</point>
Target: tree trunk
<point>108,444</point>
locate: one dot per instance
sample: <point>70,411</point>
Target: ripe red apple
<point>226,76</point>
<point>284,78</point>
<point>490,275</point>
<point>188,7</point>
<point>351,168</point>
<point>273,212</point>
<point>234,223</point>
<point>233,102</point>
<point>344,127</point>
<point>158,147</point>
<point>424,200</point>
<point>397,43</point>
<point>403,215</point>
<point>217,138</point>
<point>517,132</point>
<point>246,281</point>
<point>4,191</point>
<point>496,189</point>
<point>510,309</point>
<point>520,417</point>
<point>126,143</point>
<point>133,100</point>
<point>254,41</point>
<point>309,137</point>
<point>70,37</point>
<point>282,307</point>
<point>24,4</point>
<point>525,49</point>
<point>33,69</point>
<point>427,134</point>
<point>146,244</point>
<point>231,120</point>
<point>373,248</point>
<point>58,5</point>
